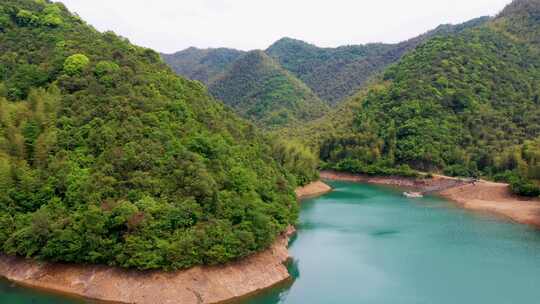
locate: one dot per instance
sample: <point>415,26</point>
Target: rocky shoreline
<point>198,285</point>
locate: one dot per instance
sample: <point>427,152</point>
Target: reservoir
<point>365,244</point>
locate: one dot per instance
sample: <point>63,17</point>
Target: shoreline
<point>313,189</point>
<point>484,196</point>
<point>197,285</point>
<point>249,276</point>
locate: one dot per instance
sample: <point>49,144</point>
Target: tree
<point>75,64</point>
<point>51,20</point>
<point>27,18</point>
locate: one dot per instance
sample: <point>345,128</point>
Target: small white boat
<point>413,194</point>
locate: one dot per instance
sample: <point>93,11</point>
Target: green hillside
<point>203,65</point>
<point>260,90</point>
<point>331,73</point>
<point>336,73</point>
<point>464,104</point>
<point>108,157</point>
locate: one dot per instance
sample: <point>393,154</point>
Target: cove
<point>368,244</point>
<point>364,244</point>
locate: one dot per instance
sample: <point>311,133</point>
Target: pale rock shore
<point>314,189</point>
<point>198,285</point>
<point>483,196</point>
<point>496,198</point>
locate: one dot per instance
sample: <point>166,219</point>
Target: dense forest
<point>337,73</point>
<point>466,105</point>
<point>260,90</point>
<point>202,65</point>
<point>252,83</point>
<point>331,73</point>
<point>106,156</point>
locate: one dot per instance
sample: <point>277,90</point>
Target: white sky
<point>173,25</point>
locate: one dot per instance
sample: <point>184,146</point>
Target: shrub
<point>524,187</point>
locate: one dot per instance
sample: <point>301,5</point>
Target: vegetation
<point>301,162</point>
<point>259,89</point>
<point>465,104</point>
<point>108,157</point>
<point>203,65</point>
<point>288,90</point>
<point>337,73</point>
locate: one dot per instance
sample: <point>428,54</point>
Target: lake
<point>368,244</point>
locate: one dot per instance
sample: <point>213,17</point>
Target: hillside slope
<point>260,90</point>
<point>464,104</point>
<point>331,73</point>
<point>203,65</point>
<point>107,157</point>
<point>336,73</point>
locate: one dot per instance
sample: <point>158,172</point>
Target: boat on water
<point>413,194</point>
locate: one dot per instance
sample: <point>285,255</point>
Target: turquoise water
<point>368,244</point>
<point>11,294</point>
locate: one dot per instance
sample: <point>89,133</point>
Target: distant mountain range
<point>336,73</point>
<point>328,74</point>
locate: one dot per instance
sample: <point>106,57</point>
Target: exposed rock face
<point>198,285</point>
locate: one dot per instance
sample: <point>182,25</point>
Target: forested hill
<point>106,156</point>
<point>466,104</point>
<point>260,90</point>
<point>203,65</point>
<point>331,73</point>
<point>336,73</point>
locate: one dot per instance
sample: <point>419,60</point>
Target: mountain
<point>336,73</point>
<point>464,104</point>
<point>259,89</point>
<point>521,19</point>
<point>203,65</point>
<point>108,157</point>
<point>331,73</point>
<point>293,85</point>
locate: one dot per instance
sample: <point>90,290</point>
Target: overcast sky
<point>172,25</point>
